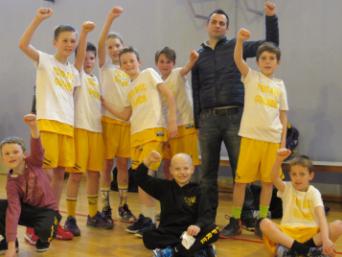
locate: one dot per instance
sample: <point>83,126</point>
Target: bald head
<point>181,156</point>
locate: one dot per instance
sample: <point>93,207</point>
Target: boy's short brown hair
<point>168,52</point>
<point>268,47</point>
<point>63,28</point>
<point>303,161</point>
<point>12,140</point>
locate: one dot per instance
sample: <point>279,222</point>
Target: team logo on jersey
<point>190,200</point>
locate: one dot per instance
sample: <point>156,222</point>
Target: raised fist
<point>270,8</point>
<point>88,26</point>
<point>244,34</point>
<point>44,13</point>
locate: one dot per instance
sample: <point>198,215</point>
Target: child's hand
<point>172,129</point>
<point>193,230</point>
<point>329,248</point>
<point>153,157</point>
<point>88,26</point>
<point>193,56</point>
<point>270,8</point>
<point>243,34</point>
<point>43,13</point>
<point>283,153</point>
<point>115,12</point>
<point>30,120</point>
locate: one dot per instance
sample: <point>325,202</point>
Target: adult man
<point>218,95</point>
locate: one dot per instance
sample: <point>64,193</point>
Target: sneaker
<point>282,251</point>
<point>125,214</point>
<point>71,225</point>
<point>257,230</point>
<point>107,213</point>
<point>30,237</point>
<point>316,252</point>
<point>62,234</point>
<point>165,252</point>
<point>42,246</point>
<point>232,229</point>
<point>99,221</point>
<point>147,227</point>
<point>139,224</point>
<point>4,246</point>
<point>249,219</point>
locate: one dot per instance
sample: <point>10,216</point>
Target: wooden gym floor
<point>117,242</point>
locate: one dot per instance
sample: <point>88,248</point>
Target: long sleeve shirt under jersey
<point>180,206</point>
<point>31,188</point>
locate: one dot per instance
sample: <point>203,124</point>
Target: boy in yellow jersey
<point>56,79</point>
<point>116,132</point>
<point>186,140</point>
<point>262,129</point>
<point>88,138</point>
<point>148,130</point>
<point>303,230</point>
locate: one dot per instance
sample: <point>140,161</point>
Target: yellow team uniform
<point>116,132</point>
<point>55,83</point>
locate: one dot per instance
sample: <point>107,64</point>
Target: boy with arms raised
<point>303,229</point>
<point>30,199</point>
<point>184,209</point>
<point>186,140</point>
<point>262,130</point>
<point>56,79</point>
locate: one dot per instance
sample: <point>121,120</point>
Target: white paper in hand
<point>187,240</point>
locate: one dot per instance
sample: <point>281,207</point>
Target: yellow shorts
<point>116,137</point>
<point>256,160</point>
<point>184,143</point>
<point>301,234</point>
<point>59,150</point>
<point>89,151</point>
<point>140,152</point>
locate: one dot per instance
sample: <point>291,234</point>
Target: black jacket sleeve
<point>195,94</point>
<point>152,186</point>
<point>272,35</point>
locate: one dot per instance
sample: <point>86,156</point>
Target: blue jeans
<point>215,128</point>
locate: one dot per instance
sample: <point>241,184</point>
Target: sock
<point>310,243</point>
<point>92,205</point>
<point>300,248</point>
<point>263,211</point>
<point>105,198</point>
<point>236,212</point>
<point>123,195</point>
<point>71,206</point>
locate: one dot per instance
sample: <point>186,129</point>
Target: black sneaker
<point>316,252</point>
<point>125,214</point>
<point>99,221</point>
<point>139,224</point>
<point>249,219</point>
<point>107,214</point>
<point>4,246</point>
<point>146,227</point>
<point>257,230</point>
<point>232,229</point>
<point>42,246</point>
<point>71,225</point>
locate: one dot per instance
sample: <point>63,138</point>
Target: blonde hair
<point>303,161</point>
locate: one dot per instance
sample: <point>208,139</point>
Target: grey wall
<point>310,40</point>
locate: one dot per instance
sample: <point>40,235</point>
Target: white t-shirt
<point>88,104</point>
<point>299,207</point>
<point>264,99</point>
<point>114,82</point>
<point>144,98</point>
<point>55,83</point>
<point>182,93</point>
